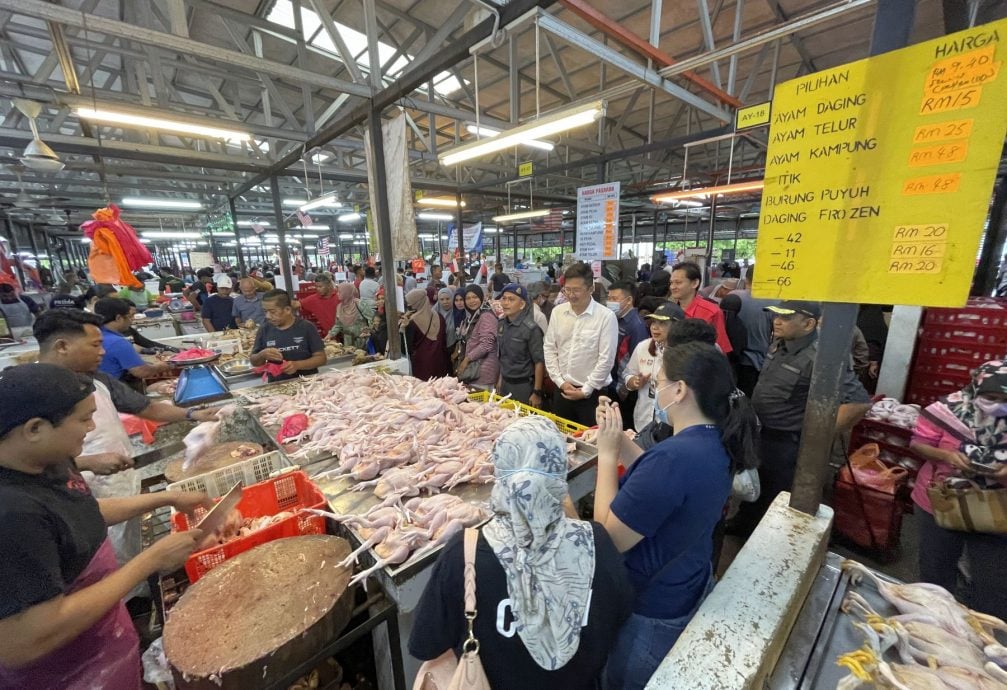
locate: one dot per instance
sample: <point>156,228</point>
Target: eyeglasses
<point>575,291</point>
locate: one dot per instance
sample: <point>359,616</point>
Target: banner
<point>400,191</point>
<point>473,238</point>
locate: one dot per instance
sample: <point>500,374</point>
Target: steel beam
<point>648,76</point>
<point>412,78</point>
<point>62,15</point>
<point>332,30</point>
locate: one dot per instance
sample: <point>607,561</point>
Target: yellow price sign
<point>525,169</point>
<point>876,189</point>
<point>753,116</point>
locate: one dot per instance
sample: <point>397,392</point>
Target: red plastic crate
<point>292,491</point>
<point>981,311</point>
<point>931,369</point>
<point>970,357</point>
<point>305,288</point>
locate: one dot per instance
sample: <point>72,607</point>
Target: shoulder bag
<point>962,504</point>
<point>447,672</point>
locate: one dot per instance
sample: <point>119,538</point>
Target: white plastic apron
<point>109,436</point>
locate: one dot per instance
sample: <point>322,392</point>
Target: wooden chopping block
<point>253,618</point>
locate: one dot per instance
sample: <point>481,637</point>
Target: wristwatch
<point>188,413</point>
<point>540,393</point>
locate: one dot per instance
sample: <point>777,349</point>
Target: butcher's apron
<point>109,436</point>
<point>105,656</point>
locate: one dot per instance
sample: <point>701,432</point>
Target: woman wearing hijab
<point>730,307</point>
<point>663,512</point>
<point>551,591</point>
<point>964,436</point>
<point>425,335</point>
<point>353,317</point>
<point>478,337</point>
<point>444,307</point>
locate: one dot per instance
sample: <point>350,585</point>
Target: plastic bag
<point>292,426</point>
<point>869,471</point>
<point>198,441</point>
<point>155,665</point>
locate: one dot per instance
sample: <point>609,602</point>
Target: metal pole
<point>515,244</point>
<point>12,233</point>
<point>891,30</point>
<point>233,213</point>
<point>460,229</point>
<point>281,231</point>
<point>383,221</point>
<point>984,282</point>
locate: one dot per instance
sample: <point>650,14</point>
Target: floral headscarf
<point>547,557</point>
<point>990,377</point>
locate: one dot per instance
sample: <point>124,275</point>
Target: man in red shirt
<point>320,308</point>
<point>685,280</point>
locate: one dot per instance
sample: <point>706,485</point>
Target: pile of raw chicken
<point>238,526</point>
<point>940,643</point>
<point>397,433</point>
<point>400,437</point>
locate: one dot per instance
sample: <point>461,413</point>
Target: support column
<point>233,213</point>
<point>383,221</point>
<point>892,25</point>
<point>281,232</point>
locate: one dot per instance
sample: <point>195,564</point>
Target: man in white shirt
<point>580,348</point>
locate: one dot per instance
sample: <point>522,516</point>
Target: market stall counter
<point>396,459</point>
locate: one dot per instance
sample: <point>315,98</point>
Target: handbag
<point>964,506</point>
<point>448,672</point>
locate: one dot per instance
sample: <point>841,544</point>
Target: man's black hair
<point>110,308</point>
<point>56,323</point>
<point>691,331</point>
<point>279,296</point>
<point>369,272</point>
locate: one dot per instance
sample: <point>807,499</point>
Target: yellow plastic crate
<point>564,425</point>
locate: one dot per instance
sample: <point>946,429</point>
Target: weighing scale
<point>199,381</point>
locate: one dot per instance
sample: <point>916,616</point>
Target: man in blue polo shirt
<point>121,358</point>
<point>218,308</point>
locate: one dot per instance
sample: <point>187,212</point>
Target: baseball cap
<point>792,306</point>
<point>38,390</point>
<point>223,280</point>
<point>517,289</point>
<point>668,311</point>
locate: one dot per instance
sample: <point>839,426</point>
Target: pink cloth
<point>106,655</point>
<point>929,434</point>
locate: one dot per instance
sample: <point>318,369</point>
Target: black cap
<point>38,390</point>
<point>793,306</point>
<point>669,311</point>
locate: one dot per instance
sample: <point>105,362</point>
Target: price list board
<point>879,174</point>
<point>598,221</point>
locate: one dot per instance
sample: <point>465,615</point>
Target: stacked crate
<point>953,342</point>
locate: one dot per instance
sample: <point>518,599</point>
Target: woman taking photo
<point>478,341</point>
<point>973,420</point>
<point>551,591</point>
<point>424,333</point>
<point>662,514</point>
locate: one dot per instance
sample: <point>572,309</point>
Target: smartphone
<point>985,468</point>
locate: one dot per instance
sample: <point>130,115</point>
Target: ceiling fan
<point>37,155</point>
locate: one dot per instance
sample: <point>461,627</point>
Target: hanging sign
<point>525,169</point>
<point>473,238</point>
<point>753,116</point>
<point>899,168</point>
<point>598,221</point>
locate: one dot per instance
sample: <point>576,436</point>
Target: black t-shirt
<point>66,302</point>
<point>440,618</point>
<point>500,281</point>
<point>297,343</point>
<point>50,529</point>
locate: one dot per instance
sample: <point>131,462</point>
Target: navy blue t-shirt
<point>219,311</point>
<point>674,495</point>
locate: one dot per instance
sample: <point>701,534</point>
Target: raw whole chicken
<point>401,533</point>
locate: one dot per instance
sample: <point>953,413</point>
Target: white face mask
<point>992,408</point>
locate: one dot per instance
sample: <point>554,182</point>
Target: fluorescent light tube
<point>438,201</point>
<point>158,123</point>
<point>170,235</point>
<point>250,223</point>
<point>435,216</point>
<point>150,202</point>
<point>312,227</point>
<point>326,201</point>
<point>346,236</point>
<point>349,218</point>
<point>704,192</point>
<point>540,127</point>
<point>523,215</point>
<point>490,132</point>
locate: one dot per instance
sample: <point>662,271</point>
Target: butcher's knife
<point>217,516</point>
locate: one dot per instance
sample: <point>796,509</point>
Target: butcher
<point>286,345</point>
<point>62,620</point>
